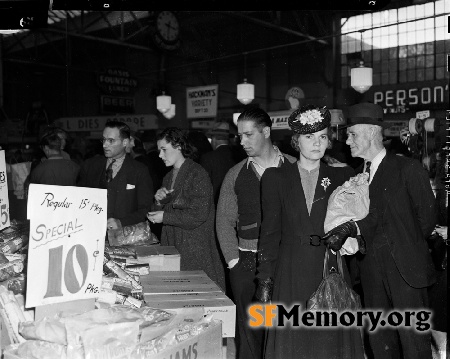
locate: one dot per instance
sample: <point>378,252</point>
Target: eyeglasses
<point>314,240</point>
<point>109,141</point>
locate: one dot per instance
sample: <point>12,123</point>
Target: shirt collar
<point>376,162</point>
<point>117,162</point>
<point>279,156</point>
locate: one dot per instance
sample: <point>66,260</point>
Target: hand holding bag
<point>135,234</point>
<point>333,293</point>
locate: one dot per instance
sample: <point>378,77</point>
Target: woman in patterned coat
<point>185,206</point>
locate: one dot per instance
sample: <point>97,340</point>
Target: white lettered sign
<point>4,201</point>
<point>67,242</point>
<point>201,101</point>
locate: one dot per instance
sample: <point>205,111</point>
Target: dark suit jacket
<point>285,214</point>
<point>217,163</point>
<point>403,214</point>
<point>130,193</point>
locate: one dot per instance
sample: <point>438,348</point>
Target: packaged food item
<point>17,284</point>
<point>139,233</point>
<point>121,251</point>
<point>14,245</point>
<point>140,269</point>
<point>10,269</point>
<point>3,259</point>
<point>119,285</point>
<point>47,329</point>
<point>109,266</point>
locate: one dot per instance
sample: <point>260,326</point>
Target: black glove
<point>336,238</point>
<point>361,244</point>
<point>264,290</point>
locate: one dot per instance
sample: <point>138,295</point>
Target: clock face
<point>167,27</point>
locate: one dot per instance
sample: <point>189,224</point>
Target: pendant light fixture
<point>361,76</point>
<point>245,90</point>
<point>163,103</point>
<point>169,114</point>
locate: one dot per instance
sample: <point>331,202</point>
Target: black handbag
<point>333,293</point>
<point>438,250</point>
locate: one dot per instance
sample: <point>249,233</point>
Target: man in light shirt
<point>238,220</point>
<point>397,268</point>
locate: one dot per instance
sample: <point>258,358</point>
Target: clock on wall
<point>166,30</point>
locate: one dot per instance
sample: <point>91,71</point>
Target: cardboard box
<point>206,345</point>
<point>221,307</point>
<point>189,289</point>
<point>159,258</point>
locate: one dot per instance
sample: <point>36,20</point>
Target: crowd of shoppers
<point>245,215</point>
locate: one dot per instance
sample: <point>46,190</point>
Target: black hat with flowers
<point>309,119</point>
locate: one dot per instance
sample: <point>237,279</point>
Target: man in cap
<point>238,220</point>
<point>221,159</point>
<point>397,268</point>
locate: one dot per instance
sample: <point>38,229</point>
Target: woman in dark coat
<point>185,206</point>
<point>294,205</point>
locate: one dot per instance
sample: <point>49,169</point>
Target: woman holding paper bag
<point>294,205</point>
<point>185,206</point>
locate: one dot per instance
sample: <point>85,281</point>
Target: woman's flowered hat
<point>309,119</point>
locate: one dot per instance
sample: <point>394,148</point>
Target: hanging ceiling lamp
<point>169,114</point>
<point>361,77</point>
<point>163,103</point>
<point>245,90</point>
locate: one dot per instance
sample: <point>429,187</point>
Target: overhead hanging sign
<point>280,119</point>
<point>202,101</point>
<point>97,123</point>
<point>4,201</point>
<point>67,242</point>
<point>117,81</point>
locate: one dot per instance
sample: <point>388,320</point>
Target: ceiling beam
<point>276,27</point>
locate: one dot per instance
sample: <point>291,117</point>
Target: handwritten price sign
<point>4,202</point>
<point>67,241</point>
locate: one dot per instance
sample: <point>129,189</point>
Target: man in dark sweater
<point>55,170</point>
<point>238,220</point>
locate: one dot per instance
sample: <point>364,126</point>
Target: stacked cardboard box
<point>159,258</point>
<point>190,289</point>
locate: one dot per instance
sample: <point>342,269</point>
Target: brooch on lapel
<point>325,183</point>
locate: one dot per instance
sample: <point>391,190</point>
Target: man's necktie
<point>109,172</point>
<point>368,163</point>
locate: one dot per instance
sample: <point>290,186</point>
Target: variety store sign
<point>201,101</point>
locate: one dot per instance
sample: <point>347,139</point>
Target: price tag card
<point>421,115</point>
<point>67,242</point>
<point>4,202</point>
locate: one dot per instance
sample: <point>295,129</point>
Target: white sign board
<point>4,201</point>
<point>67,242</point>
<point>421,115</point>
<point>280,119</point>
<point>203,125</point>
<point>201,102</point>
<point>97,123</point>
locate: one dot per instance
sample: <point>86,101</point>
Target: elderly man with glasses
<point>129,185</point>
